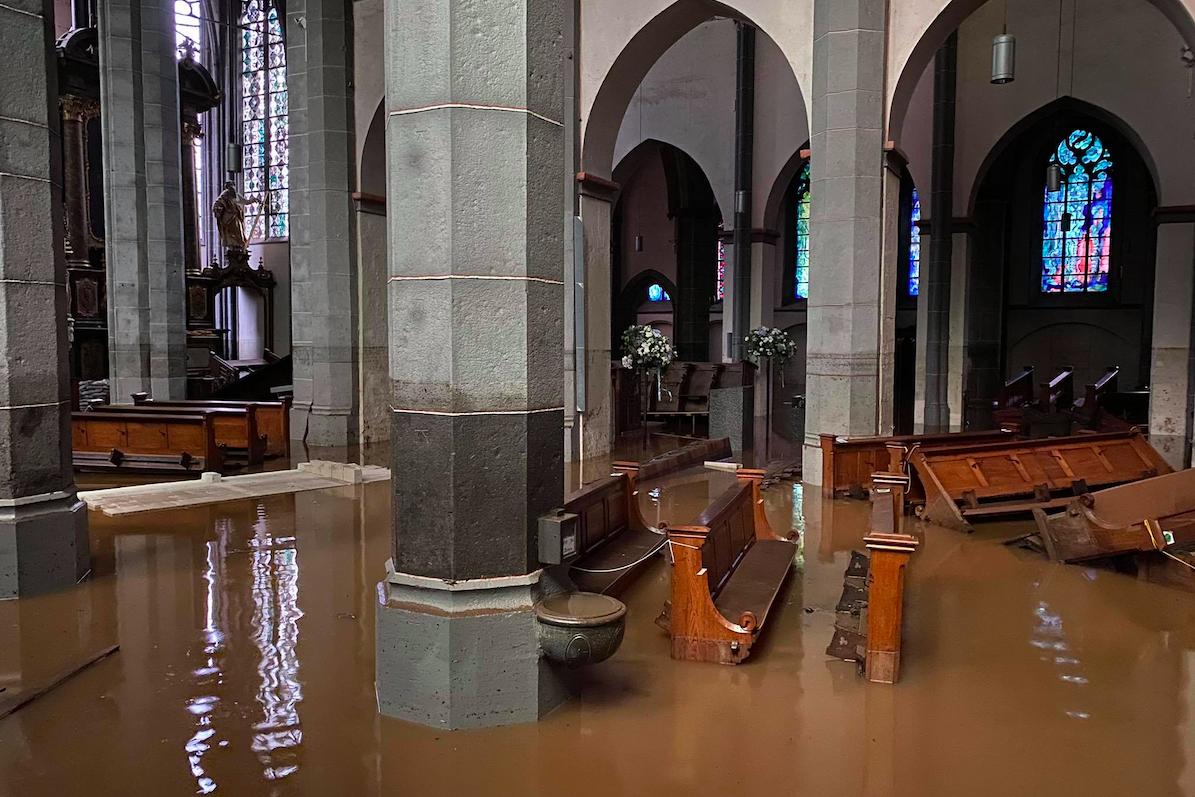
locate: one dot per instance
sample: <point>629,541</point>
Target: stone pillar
<point>597,422</point>
<point>43,526</point>
<point>147,343</point>
<point>1170,402</point>
<point>936,292</point>
<point>324,308</point>
<point>843,357</point>
<point>75,113</point>
<point>191,132</point>
<point>475,141</point>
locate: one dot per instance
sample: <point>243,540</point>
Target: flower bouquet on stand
<point>646,350</point>
<point>778,348</point>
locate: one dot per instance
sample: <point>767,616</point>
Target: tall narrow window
<point>264,123</point>
<point>801,276</point>
<point>915,244</point>
<point>187,16</point>
<point>721,294</point>
<point>1077,218</point>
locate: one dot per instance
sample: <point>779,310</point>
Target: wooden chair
<point>726,575</point>
<point>614,541</point>
<point>146,442</point>
<point>273,417</point>
<point>967,482</point>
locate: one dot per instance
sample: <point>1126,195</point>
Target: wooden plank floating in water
<point>963,483</point>
<point>1116,521</point>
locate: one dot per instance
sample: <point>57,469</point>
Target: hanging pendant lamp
<point>1053,178</point>
<point>1004,58</point>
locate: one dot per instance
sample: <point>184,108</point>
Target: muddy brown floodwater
<point>246,667</point>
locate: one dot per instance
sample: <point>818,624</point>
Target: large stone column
<point>147,341</point>
<point>43,526</point>
<point>844,290</point>
<point>1170,400</point>
<point>475,137</point>
<point>324,308</point>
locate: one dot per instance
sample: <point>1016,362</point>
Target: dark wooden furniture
<point>685,393</point>
<point>726,574</point>
<point>273,417</point>
<point>140,442</point>
<point>616,544</point>
<point>966,482</point>
<point>1094,411</point>
<point>1016,394</point>
<point>687,456</point>
<point>1115,521</point>
<point>869,628</point>
<point>849,462</point>
<point>236,428</point>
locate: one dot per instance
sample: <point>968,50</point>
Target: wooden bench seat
<point>236,428</point>
<point>273,417</point>
<point>727,572</point>
<point>616,544</point>
<point>1014,477</point>
<point>158,442</point>
<point>849,462</point>
<point>690,455</point>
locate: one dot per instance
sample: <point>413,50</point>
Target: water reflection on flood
<point>246,667</point>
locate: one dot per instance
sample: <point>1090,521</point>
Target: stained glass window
<point>801,287</point>
<point>656,293</point>
<point>721,266</point>
<point>264,122</point>
<point>1077,218</point>
<point>915,245</point>
<point>187,30</point>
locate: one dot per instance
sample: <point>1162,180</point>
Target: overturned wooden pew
<point>236,428</point>
<point>273,417</point>
<point>963,483</point>
<point>158,443</point>
<point>849,462</point>
<point>869,628</point>
<point>690,455</point>
<point>614,543</point>
<point>1118,520</point>
<point>727,571</point>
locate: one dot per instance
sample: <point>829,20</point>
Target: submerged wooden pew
<point>273,417</point>
<point>687,456</point>
<point>158,442</point>
<point>615,543</point>
<point>849,462</point>
<point>236,428</point>
<point>726,574</point>
<point>966,482</point>
<point>871,609</point>
<point>1116,521</point>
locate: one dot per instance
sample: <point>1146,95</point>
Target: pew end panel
<point>699,631</point>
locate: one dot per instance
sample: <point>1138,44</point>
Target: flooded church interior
<point>597,397</point>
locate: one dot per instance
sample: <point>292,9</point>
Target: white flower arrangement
<point>773,343</point>
<point>645,348</point>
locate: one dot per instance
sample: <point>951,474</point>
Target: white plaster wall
<point>1125,59</point>
<point>645,213</point>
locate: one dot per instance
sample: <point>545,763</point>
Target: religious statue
<point>229,212</point>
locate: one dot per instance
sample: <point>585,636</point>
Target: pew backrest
<point>273,417</point>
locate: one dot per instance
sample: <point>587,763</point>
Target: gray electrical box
<point>558,541</point>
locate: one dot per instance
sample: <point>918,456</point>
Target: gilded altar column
<point>76,111</point>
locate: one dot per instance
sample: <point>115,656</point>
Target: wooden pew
<point>151,442</point>
<point>685,392</point>
<point>1016,394</point>
<point>967,482</point>
<point>1092,411</point>
<point>1112,522</point>
<point>849,462</point>
<point>236,429</point>
<point>615,543</point>
<point>687,456</point>
<point>726,574</point>
<point>273,417</point>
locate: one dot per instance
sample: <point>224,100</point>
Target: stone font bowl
<point>580,628</point>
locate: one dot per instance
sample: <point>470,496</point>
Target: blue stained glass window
<point>656,293</point>
<point>265,125</point>
<point>915,245</point>
<point>1077,218</point>
<point>801,281</point>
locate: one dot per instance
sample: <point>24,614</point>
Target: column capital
<point>78,109</point>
